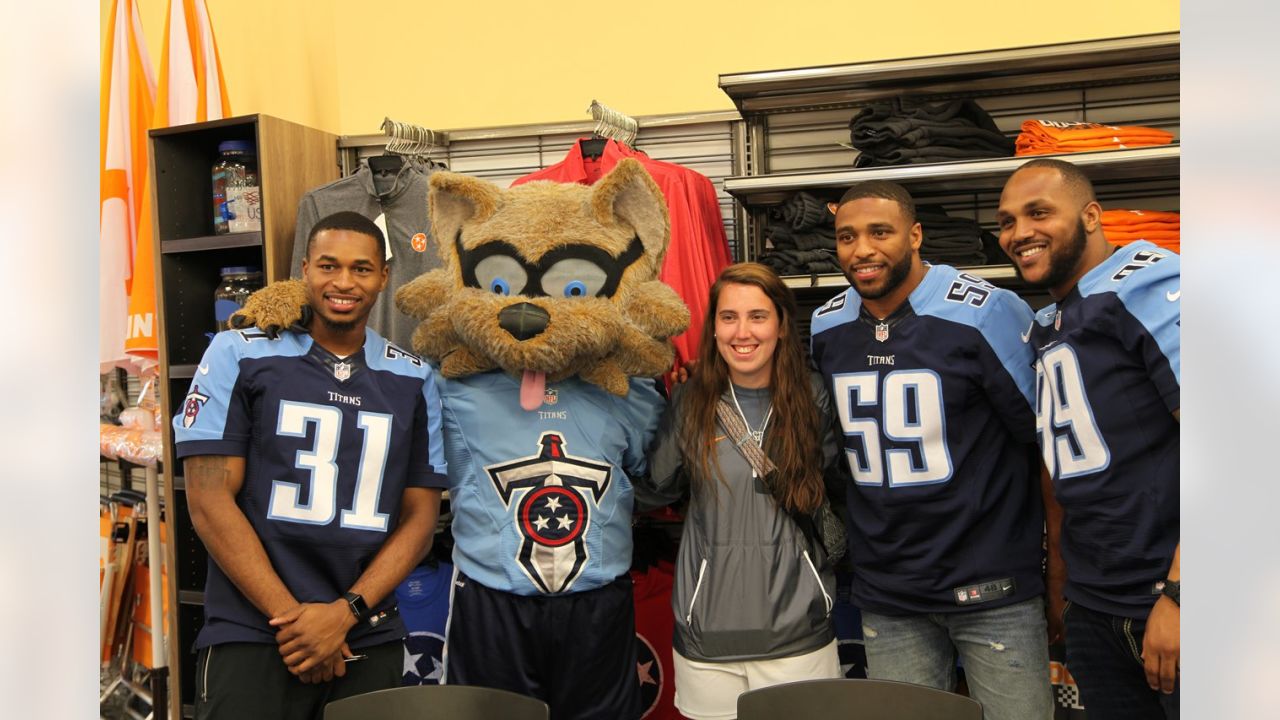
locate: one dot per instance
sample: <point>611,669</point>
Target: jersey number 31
<point>320,461</point>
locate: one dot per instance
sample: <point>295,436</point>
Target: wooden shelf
<point>966,176</point>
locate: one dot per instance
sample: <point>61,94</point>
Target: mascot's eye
<point>501,274</point>
<point>574,278</point>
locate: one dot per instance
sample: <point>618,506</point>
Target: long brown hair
<point>792,438</point>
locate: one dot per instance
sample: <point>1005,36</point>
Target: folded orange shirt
<point>1173,245</point>
<point>1041,137</point>
<point>1139,217</point>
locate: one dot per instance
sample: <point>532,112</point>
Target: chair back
<point>855,700</point>
<point>457,702</point>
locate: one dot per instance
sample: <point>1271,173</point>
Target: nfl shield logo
<point>882,332</point>
<point>551,397</point>
<point>342,370</point>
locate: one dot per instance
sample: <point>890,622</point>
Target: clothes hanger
<point>610,125</point>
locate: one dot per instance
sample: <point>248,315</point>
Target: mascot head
<point>548,280</point>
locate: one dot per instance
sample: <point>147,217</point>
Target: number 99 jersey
<point>1108,375</point>
<point>330,444</point>
<point>935,406</point>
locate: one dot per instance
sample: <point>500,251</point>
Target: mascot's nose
<point>523,320</point>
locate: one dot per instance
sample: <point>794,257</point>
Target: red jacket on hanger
<point>699,249</point>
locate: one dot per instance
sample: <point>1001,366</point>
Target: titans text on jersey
<point>330,444</point>
<point>935,405</point>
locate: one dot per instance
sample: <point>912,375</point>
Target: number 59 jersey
<point>330,444</point>
<point>935,405</point>
<point>1108,379</point>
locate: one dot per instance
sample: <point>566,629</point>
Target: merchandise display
<point>237,201</point>
<point>238,283</point>
<point>906,131</point>
<point>1126,226</point>
<point>1043,137</point>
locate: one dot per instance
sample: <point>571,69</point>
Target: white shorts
<point>710,690</point>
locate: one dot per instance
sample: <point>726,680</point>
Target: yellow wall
<point>343,66</point>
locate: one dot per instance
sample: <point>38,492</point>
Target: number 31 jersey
<point>1108,379</point>
<point>329,444</point>
<point>935,405</point>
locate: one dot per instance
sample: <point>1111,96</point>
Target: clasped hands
<point>312,639</point>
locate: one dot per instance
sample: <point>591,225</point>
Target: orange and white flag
<point>127,93</point>
<point>191,90</point>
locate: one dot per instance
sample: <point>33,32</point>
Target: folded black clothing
<point>960,112</point>
<point>953,259</point>
<point>816,240</point>
<point>805,211</point>
<point>801,262</point>
<point>931,154</point>
<point>908,132</point>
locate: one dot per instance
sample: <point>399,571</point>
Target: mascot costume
<point>546,325</point>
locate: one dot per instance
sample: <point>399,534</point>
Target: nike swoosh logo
<point>1026,336</point>
<point>204,369</point>
<point>1173,296</point>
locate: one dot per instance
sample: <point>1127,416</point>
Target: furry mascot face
<point>543,281</point>
<point>546,280</point>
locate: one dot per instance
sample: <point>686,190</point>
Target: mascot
<point>546,326</point>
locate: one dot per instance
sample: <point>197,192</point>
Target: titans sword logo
<point>553,512</point>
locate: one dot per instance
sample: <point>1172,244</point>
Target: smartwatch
<point>358,606</point>
<point>1172,589</point>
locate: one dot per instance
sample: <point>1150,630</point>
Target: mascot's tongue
<point>533,388</point>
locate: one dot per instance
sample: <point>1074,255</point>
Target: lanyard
<point>757,434</point>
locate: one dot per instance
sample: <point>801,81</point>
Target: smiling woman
<point>752,596</point>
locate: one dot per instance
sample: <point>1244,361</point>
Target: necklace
<point>757,434</point>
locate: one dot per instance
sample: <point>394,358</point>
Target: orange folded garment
<point>1139,217</point>
<point>1041,137</point>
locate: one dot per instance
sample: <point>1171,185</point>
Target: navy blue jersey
<point>935,404</point>
<point>329,445</point>
<point>1108,378</point>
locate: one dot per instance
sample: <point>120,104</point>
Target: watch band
<point>1172,589</point>
<point>358,606</point>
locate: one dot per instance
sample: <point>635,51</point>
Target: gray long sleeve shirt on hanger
<point>407,225</point>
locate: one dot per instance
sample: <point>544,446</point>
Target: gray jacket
<point>747,585</point>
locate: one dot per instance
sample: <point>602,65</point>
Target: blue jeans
<point>1104,655</point>
<point>1005,653</point>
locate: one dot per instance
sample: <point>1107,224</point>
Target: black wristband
<point>1172,589</point>
<point>358,606</point>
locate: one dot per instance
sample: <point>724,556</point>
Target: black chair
<point>457,702</point>
<point>855,700</point>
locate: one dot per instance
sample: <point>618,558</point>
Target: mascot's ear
<point>456,199</point>
<point>628,195</point>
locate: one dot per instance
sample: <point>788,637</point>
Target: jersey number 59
<point>911,413</point>
<point>320,461</point>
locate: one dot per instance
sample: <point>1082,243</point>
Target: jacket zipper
<point>204,690</point>
<point>702,569</point>
<point>825,597</point>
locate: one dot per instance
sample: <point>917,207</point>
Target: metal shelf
<point>212,242</point>
<point>1096,61</point>
<point>836,280</point>
<point>966,176</point>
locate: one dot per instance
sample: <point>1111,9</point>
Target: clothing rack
<point>612,124</point>
<point>409,139</point>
